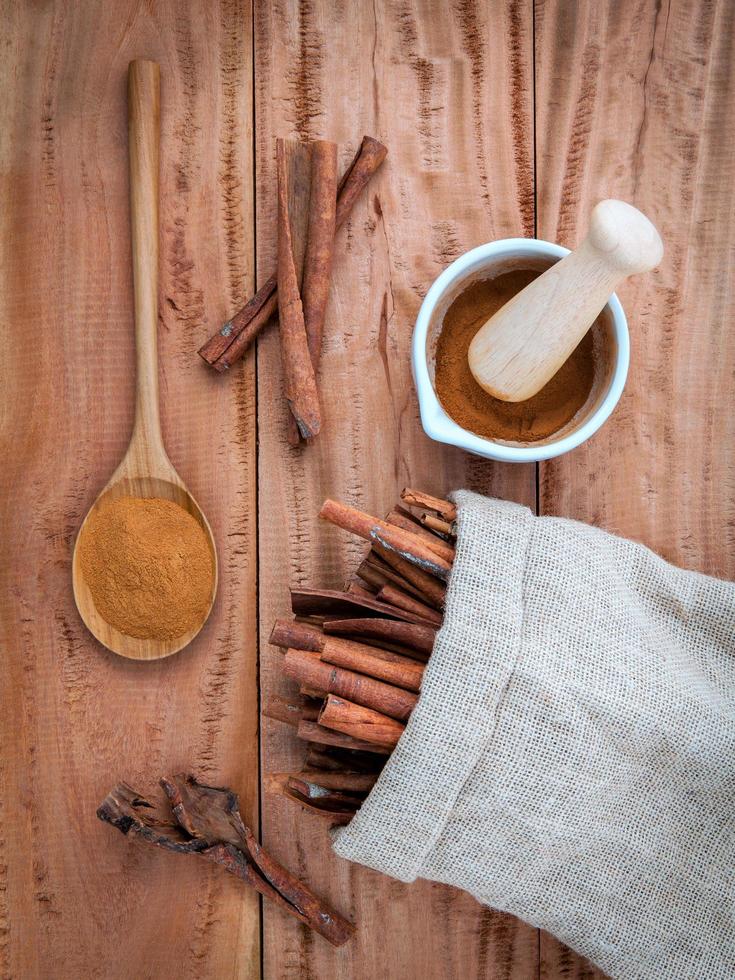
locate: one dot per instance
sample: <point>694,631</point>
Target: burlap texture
<point>572,756</point>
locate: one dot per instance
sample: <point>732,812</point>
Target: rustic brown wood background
<point>502,118</point>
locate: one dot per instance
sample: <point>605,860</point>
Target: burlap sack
<point>572,756</point>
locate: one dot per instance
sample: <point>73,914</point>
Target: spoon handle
<point>143,137</point>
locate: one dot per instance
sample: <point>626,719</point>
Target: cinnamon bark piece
<point>417,498</point>
<point>309,668</point>
<point>319,242</point>
<point>298,371</point>
<point>327,602</point>
<point>340,760</point>
<point>207,812</point>
<point>208,823</point>
<point>312,731</point>
<point>360,722</point>
<point>335,807</point>
<point>413,635</point>
<point>229,344</point>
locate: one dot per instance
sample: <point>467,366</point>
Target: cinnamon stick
<point>382,664</point>
<point>413,635</point>
<point>437,524</point>
<point>435,557</point>
<point>280,709</point>
<point>310,669</point>
<point>417,498</point>
<point>357,590</point>
<point>318,256</point>
<point>323,796</point>
<point>220,350</point>
<point>404,519</point>
<point>212,814</point>
<point>427,586</point>
<point>372,575</point>
<point>355,179</point>
<point>376,573</point>
<point>244,327</point>
<point>311,731</point>
<point>298,371</point>
<point>301,636</point>
<point>320,242</point>
<point>349,782</point>
<point>360,722</point>
<point>360,657</point>
<point>228,345</point>
<point>313,693</point>
<point>391,542</point>
<point>396,597</point>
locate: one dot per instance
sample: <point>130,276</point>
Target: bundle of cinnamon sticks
<point>359,655</point>
<point>311,208</point>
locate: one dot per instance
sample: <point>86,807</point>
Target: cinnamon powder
<point>148,566</point>
<point>470,405</point>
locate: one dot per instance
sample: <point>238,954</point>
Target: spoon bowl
<point>133,647</point>
<point>145,471</point>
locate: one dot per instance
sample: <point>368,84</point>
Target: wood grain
<point>638,102</point>
<point>76,899</point>
<point>633,100</point>
<point>448,89</point>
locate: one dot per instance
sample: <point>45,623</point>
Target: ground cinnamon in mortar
<point>148,565</point>
<point>470,405</point>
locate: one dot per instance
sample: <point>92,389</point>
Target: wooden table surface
<point>502,118</point>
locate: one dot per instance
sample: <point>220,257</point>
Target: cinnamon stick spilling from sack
<point>231,341</point>
<point>360,657</point>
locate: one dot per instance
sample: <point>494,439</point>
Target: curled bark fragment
<point>208,823</point>
<point>328,602</point>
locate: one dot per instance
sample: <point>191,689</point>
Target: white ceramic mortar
<point>611,342</point>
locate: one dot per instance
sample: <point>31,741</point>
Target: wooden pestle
<point>525,343</point>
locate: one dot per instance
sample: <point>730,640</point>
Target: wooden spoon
<point>145,470</point>
<point>525,343</point>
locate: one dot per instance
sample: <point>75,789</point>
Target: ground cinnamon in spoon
<point>470,405</point>
<point>148,565</point>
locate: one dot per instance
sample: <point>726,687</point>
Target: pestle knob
<point>524,344</point>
